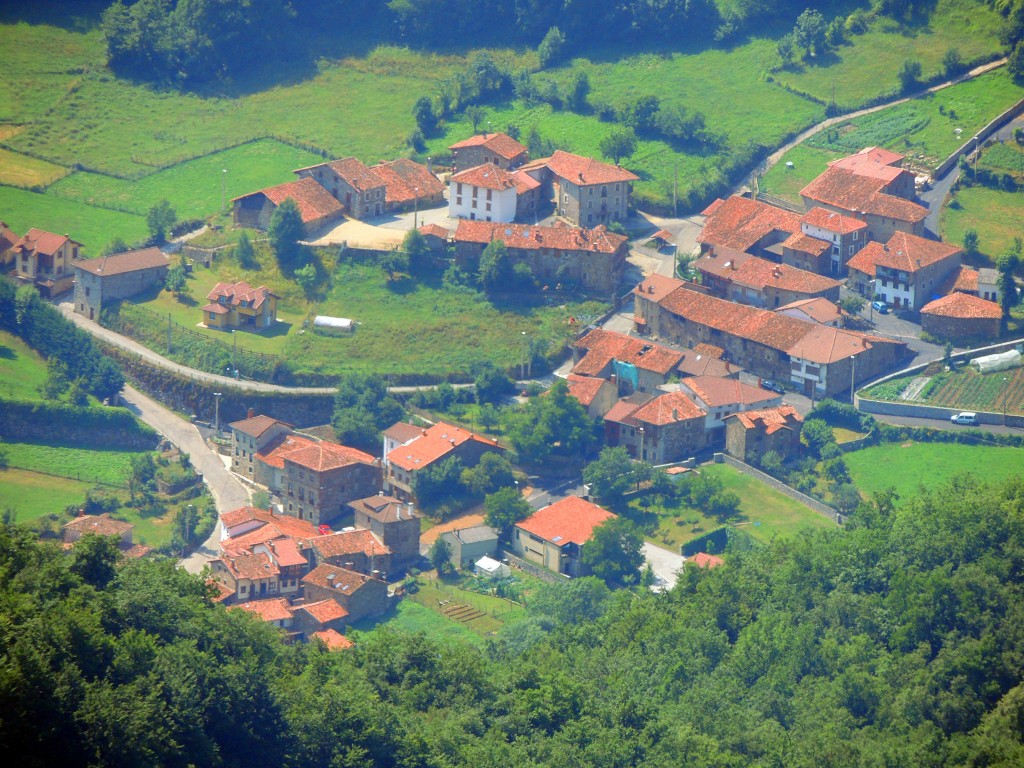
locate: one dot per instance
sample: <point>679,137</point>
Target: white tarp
<point>997,362</point>
<point>332,325</point>
<point>488,566</point>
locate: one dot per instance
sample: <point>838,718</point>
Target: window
<point>213,316</point>
<point>489,194</point>
<point>474,203</point>
<point>856,236</point>
<point>590,204</point>
<point>86,291</point>
<point>458,201</point>
<point>836,250</point>
<point>459,187</point>
<point>488,206</point>
<point>851,250</point>
<point>476,192</point>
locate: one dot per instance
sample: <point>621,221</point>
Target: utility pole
<point>522,362</point>
<point>415,206</point>
<point>853,375</point>
<point>216,413</point>
<point>1005,392</point>
<point>641,456</point>
<point>223,190</point>
<point>675,189</point>
<point>234,349</point>
<point>168,333</point>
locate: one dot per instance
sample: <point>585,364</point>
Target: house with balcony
<point>239,305</point>
<point>43,259</point>
<point>907,271</point>
<point>554,537</point>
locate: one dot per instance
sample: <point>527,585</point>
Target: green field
<point>22,371</point>
<point>1007,157</point>
<point>410,616</point>
<point>32,495</point>
<point>786,182</point>
<point>995,215</point>
<point>906,466</point>
<point>88,465</point>
<point>19,170</point>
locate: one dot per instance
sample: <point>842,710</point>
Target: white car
<point>965,417</point>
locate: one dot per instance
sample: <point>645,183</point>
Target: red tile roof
<point>668,409</point>
<point>286,552</point>
<point>403,432</point>
<point>433,444</point>
<point>334,640</point>
<point>274,609</point>
<point>864,260</point>
<point>120,263</point>
<point>486,176</point>
<point>704,560</point>
<point>313,200</point>
<point>798,241</point>
<point>534,237</point>
<point>41,241</point>
<point>770,419</point>
<point>343,581</point>
<point>319,456</point>
<point>385,509</point>
<point>698,363</point>
<point>622,412</point>
<point>249,565</point>
<point>7,237</point>
<point>739,223</point>
<point>656,287</point>
<point>257,425</point>
<point>605,346</point>
<point>584,171</point>
<point>832,221</point>
<point>324,611</point>
<point>357,175</point>
<point>903,252</point>
<point>236,293</point>
<point>965,280</point>
<point>268,527</point>
<point>570,520</point>
<point>819,309</point>
<point>524,182</point>
<point>435,230</point>
<point>405,180</point>
<point>872,161</point>
<point>963,306</point>
<point>584,388</point>
<point>346,543</point>
<point>101,525</point>
<point>717,392</point>
<point>854,192</point>
<point>758,274</point>
<point>500,144</point>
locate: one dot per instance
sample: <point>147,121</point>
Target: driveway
<point>665,564</point>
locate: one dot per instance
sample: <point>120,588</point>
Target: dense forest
<point>898,641</point>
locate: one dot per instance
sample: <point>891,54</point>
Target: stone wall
<point>778,485</point>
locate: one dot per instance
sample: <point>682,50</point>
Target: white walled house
<point>484,193</point>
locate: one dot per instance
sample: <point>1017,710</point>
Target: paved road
<point>945,424</point>
<point>665,564</point>
<point>228,492</point>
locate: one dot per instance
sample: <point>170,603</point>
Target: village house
<point>409,185</point>
<point>301,621</point>
<point>43,259</point>
<point>595,394</point>
<point>394,523</point>
<point>907,271</point>
<point>871,186</point>
<point>356,550</point>
<point>740,225</point>
<point>554,537</point>
<point>821,311</point>
<point>962,317</point>
<point>721,398</point>
<point>276,611</point>
<point>467,545</point>
<point>758,282</point>
<point>360,595</point>
<point>706,360</point>
<point>818,360</point>
<point>116,277</point>
<point>431,445</point>
<point>635,365</point>
<point>658,429</point>
<point>825,242</point>
<point>239,305</point>
<point>587,191</point>
<point>484,192</point>
<point>435,236</point>
<point>250,436</point>
<point>498,149</point>
<point>354,185</point>
<point>749,435</point>
<point>592,258</point>
<point>316,205</point>
<point>104,525</point>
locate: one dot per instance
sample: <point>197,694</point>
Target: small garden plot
<point>964,388</point>
<point>1003,158</point>
<point>994,214</point>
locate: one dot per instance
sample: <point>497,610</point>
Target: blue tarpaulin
<point>627,372</point>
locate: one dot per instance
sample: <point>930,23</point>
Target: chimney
<point>330,579</point>
<point>675,414</point>
<point>250,413</point>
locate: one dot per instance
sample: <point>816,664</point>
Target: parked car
<point>880,307</point>
<point>771,386</point>
<point>965,417</point>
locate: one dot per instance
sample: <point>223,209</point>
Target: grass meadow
<point>22,370</point>
<point>411,616</point>
<point>91,465</point>
<point>899,465</point>
<point>31,495</point>
<point>994,214</point>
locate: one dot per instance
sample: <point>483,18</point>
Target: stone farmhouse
<point>44,259</point>
<point>359,594</point>
<point>751,434</point>
<point>962,317</point>
<point>820,311</point>
<point>394,523</point>
<point>593,258</point>
<point>721,398</point>
<point>238,305</point>
<point>758,282</point>
<point>657,428</point>
<point>498,149</point>
<point>587,192</point>
<point>408,185</point>
<point>595,394</point>
<point>316,206</point>
<point>817,360</point>
<point>116,277</point>
<point>631,364</point>
<point>907,271</point>
<point>554,537</point>
<point>351,183</point>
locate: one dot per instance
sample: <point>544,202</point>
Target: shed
<point>491,568</point>
<point>333,326</point>
<point>998,362</point>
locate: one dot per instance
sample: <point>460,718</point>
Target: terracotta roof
<point>357,175</point>
<point>406,180</point>
<point>385,509</point>
<point>622,412</point>
<point>584,388</point>
<point>334,640</point>
<point>818,309</point>
<point>717,392</point>
<point>872,161</point>
<point>500,144</point>
<point>249,565</point>
<point>769,419</point>
<point>433,444</point>
<point>486,176</point>
<point>313,200</point>
<point>120,263</point>
<point>236,293</point>
<point>704,560</point>
<point>41,241</point>
<point>534,237</point>
<point>668,409</point>
<point>963,306</point>
<point>435,230</point>
<point>274,609</point>
<point>341,580</point>
<point>257,425</point>
<point>135,551</point>
<point>223,591</point>
<point>101,525</point>
<point>864,260</point>
<point>605,346</point>
<point>217,309</point>
<point>570,520</point>
<point>713,206</point>
<point>832,221</point>
<point>965,280</point>
<point>656,287</point>
<point>286,552</point>
<point>905,253</point>
<point>662,234</point>
<point>324,611</point>
<point>798,241</point>
<point>739,223</point>
<point>854,192</point>
<point>524,182</point>
<point>319,456</point>
<point>698,363</point>
<point>759,274</point>
<point>269,527</point>
<point>403,432</point>
<point>346,543</point>
<point>584,171</point>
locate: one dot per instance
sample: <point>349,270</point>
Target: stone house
<point>667,427</point>
<point>721,398</point>
<point>554,537</point>
<point>276,611</point>
<point>820,311</point>
<point>116,277</point>
<point>498,149</point>
<point>394,523</point>
<point>592,258</point>
<point>250,436</point>
<point>825,242</point>
<point>740,225</point>
<point>589,192</point>
<point>595,394</point>
<point>44,259</point>
<point>906,272</point>
<point>316,205</point>
<point>355,550</point>
<point>409,185</point>
<point>311,618</point>
<point>104,525</point>
<point>467,545</point>
<point>354,185</point>
<point>758,282</point>
<point>751,434</point>
<point>239,305</point>
<point>357,593</point>
<point>634,365</point>
<point>961,317</point>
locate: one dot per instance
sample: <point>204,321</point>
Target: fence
<point>534,570</point>
<point>778,485</point>
<point>95,479</point>
<point>482,603</point>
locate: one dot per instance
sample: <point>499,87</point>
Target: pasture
<point>93,465</point>
<point>22,370</point>
<point>31,495</point>
<point>994,214</point>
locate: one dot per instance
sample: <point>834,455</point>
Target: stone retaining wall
<point>534,570</point>
<point>778,485</point>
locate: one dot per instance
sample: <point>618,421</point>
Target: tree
<point>816,434</point>
<point>475,115</point>
<point>117,245</point>
<point>356,426</point>
<point>1015,61</point>
<point>571,602</point>
<point>417,252</point>
<point>440,556</point>
<point>394,261</point>
<point>177,282</point>
<point>495,271</point>
<point>578,91</point>
<point>1005,282</point>
<point>95,559</point>
<point>438,482</point>
<point>852,305</point>
<point>285,231</point>
<point>786,48</point>
<point>971,243</point>
<point>160,218</point>
<point>618,144</point>
<point>809,32</point>
<point>492,384</point>
<point>491,473</point>
<point>306,278</point>
<point>553,425</point>
<point>423,112</point>
<point>56,383</point>
<point>910,75</point>
<point>244,252</point>
<point>952,63</point>
<point>613,473</point>
<point>614,553</point>
<point>846,498</point>
<point>549,51</point>
<point>504,508</point>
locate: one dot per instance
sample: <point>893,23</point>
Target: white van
<point>966,417</point>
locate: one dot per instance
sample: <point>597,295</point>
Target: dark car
<point>771,386</point>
